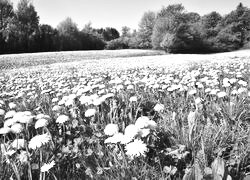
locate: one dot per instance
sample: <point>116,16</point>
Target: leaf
<point>218,168</point>
<point>193,173</point>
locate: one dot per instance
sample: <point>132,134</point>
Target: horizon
<point>120,13</point>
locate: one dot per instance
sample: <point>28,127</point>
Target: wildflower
<point>221,94</point>
<point>12,105</point>
<point>9,122</point>
<point>42,116</point>
<point>90,112</point>
<point>192,92</point>
<point>48,166</point>
<point>23,157</point>
<point>241,90</point>
<point>2,112</point>
<point>133,99</point>
<point>136,148</point>
<point>23,117</point>
<point>56,108</point>
<point>18,144</point>
<point>85,99</point>
<point>9,114</point>
<point>54,100</point>
<point>39,140</point>
<point>142,122</point>
<point>41,123</point>
<point>159,107</point>
<point>62,119</point>
<point>144,132</point>
<point>115,138</point>
<point>152,124</point>
<point>16,128</point>
<point>5,130</point>
<point>131,130</point>
<point>130,87</point>
<point>234,92</point>
<point>111,129</point>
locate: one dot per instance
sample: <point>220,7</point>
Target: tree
<point>145,32</point>
<point>240,19</point>
<point>69,34</point>
<point>110,34</point>
<point>6,15</point>
<point>27,21</point>
<point>48,38</point>
<point>125,31</point>
<point>167,21</point>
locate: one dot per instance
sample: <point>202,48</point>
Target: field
<point>125,115</point>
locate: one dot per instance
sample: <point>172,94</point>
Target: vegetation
<point>122,120</point>
<point>172,29</point>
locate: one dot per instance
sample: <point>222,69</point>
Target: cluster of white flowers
<point>131,138</point>
<point>39,140</point>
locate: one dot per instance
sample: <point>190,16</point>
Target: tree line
<point>172,29</point>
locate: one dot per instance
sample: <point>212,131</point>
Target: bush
<point>120,43</point>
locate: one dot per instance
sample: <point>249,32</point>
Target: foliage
<point>145,32</point>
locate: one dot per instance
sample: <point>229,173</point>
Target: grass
<point>34,59</point>
<point>150,117</point>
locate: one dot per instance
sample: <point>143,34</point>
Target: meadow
<point>125,115</point>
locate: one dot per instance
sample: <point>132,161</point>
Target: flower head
<point>111,129</point>
<point>136,148</point>
<point>90,112</point>
<point>39,140</point>
<point>48,166</point>
<point>62,119</point>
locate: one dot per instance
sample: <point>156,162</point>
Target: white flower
<point>90,112</point>
<point>192,92</point>
<point>241,90</point>
<point>12,105</point>
<point>115,139</point>
<point>16,128</point>
<point>159,107</point>
<point>152,124</point>
<point>48,166</point>
<point>2,112</point>
<point>62,119</point>
<point>42,116</point>
<point>126,139</point>
<point>131,131</point>
<point>56,108</point>
<point>39,140</point>
<point>23,157</point>
<point>142,122</point>
<point>85,99</point>
<point>221,94</point>
<point>130,87</point>
<point>9,122</point>
<point>133,99</point>
<point>136,148</point>
<point>41,123</point>
<point>144,132</point>
<point>10,114</point>
<point>18,144</point>
<point>111,129</point>
<point>5,130</point>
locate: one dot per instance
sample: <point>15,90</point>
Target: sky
<point>118,13</point>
